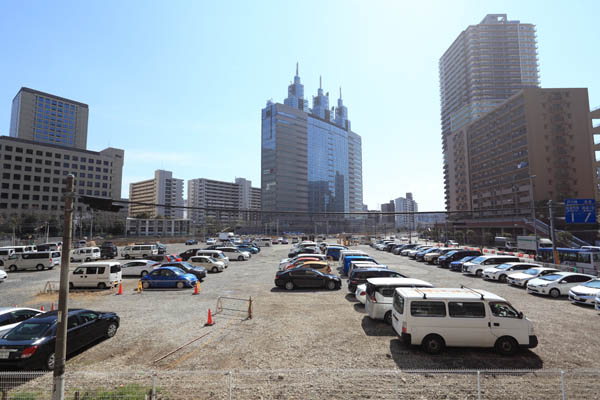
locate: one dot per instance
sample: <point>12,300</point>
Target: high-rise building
<point>407,205</point>
<point>388,208</point>
<point>311,160</point>
<point>238,195</point>
<point>160,194</point>
<point>46,118</point>
<point>486,64</point>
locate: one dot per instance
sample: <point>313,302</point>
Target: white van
<point>218,255</point>
<point>22,249</point>
<point>380,295</point>
<point>459,317</point>
<point>139,250</point>
<point>96,274</point>
<point>38,260</point>
<point>263,242</point>
<point>86,254</point>
<point>5,253</point>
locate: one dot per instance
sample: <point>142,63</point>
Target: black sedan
<point>189,253</point>
<point>198,272</point>
<point>306,278</point>
<point>30,345</point>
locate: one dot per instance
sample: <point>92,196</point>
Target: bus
<point>586,259</point>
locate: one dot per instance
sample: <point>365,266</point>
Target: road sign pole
<point>553,235</point>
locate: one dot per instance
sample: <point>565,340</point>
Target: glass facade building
<point>311,161</point>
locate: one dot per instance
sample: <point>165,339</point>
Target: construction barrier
<point>220,307</point>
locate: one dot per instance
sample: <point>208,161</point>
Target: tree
<point>471,236</point>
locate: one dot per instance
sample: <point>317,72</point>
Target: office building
<point>388,219</point>
<point>158,227</point>
<point>311,160</point>
<point>406,205</point>
<point>33,174</point>
<point>595,123</point>
<point>163,196</point>
<point>238,195</point>
<point>46,118</point>
<point>486,64</point>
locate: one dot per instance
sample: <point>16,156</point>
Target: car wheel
<point>127,256</point>
<point>331,285</point>
<point>433,344</point>
<point>180,285</point>
<point>215,269</point>
<point>12,268</point>
<point>241,258</point>
<point>506,346</point>
<point>144,255</point>
<point>146,285</point>
<point>39,267</point>
<point>102,285</point>
<point>387,318</point>
<point>144,273</point>
<point>289,285</point>
<point>87,259</point>
<point>502,278</point>
<point>111,330</point>
<point>479,273</point>
<point>71,286</point>
<point>50,362</point>
<point>555,293</point>
<point>72,259</point>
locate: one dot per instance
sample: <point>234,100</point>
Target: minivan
<point>263,242</point>
<point>477,265</point>
<point>141,250</point>
<point>459,317</point>
<point>380,295</point>
<point>21,249</point>
<point>360,276</point>
<point>38,260</point>
<point>86,254</point>
<point>96,274</point>
<point>216,254</point>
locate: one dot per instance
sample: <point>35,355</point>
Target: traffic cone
<point>52,307</point>
<point>42,308</point>
<point>120,289</point>
<point>209,322</point>
<point>196,289</point>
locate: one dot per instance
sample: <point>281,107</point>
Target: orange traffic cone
<point>196,289</point>
<point>52,307</point>
<point>42,308</point>
<point>210,321</point>
<point>120,289</point>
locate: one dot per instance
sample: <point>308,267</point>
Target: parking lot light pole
<point>60,350</point>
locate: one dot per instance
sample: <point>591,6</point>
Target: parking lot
<point>300,329</point>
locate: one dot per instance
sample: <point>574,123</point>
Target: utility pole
<point>47,230</point>
<point>533,216</point>
<point>552,234</point>
<point>91,223</point>
<point>60,350</point>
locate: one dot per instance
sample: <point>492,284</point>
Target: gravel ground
<point>326,331</point>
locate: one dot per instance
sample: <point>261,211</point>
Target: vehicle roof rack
<point>418,291</point>
<point>472,290</point>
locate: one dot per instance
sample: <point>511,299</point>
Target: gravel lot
<point>321,330</point>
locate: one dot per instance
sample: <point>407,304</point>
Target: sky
<point>180,85</point>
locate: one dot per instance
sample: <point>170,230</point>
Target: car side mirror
<point>520,315</point>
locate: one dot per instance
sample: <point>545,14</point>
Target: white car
<point>138,267</point>
<point>586,293</point>
<point>557,284</point>
<point>500,273</point>
<point>477,265</point>
<point>412,253</point>
<point>13,316</point>
<point>286,262</point>
<point>209,263</point>
<point>361,293</point>
<point>211,241</point>
<point>521,278</point>
<point>598,302</point>
<point>233,253</point>
<point>3,276</point>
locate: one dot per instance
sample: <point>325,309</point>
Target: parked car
<point>412,253</point>
<point>209,263</point>
<point>37,260</point>
<point>333,252</point>
<point>248,248</point>
<point>303,250</point>
<point>101,274</point>
<point>161,248</point>
<point>138,267</point>
<point>306,278</point>
<point>188,253</point>
<point>351,258</point>
<point>477,265</point>
<point>458,265</point>
<point>13,316</point>
<point>198,271</point>
<point>597,302</point>
<point>432,257</point>
<point>3,275</point>
<point>455,255</point>
<point>295,240</point>
<point>360,293</point>
<point>141,251</point>
<point>233,253</point>
<point>293,262</point>
<point>168,277</point>
<point>420,256</point>
<point>500,273</point>
<point>459,317</point>
<point>190,242</point>
<point>585,293</point>
<point>380,294</point>
<point>30,345</point>
<point>399,248</point>
<point>557,284</point>
<point>211,241</point>
<point>521,278</point>
<point>321,266</point>
<point>216,254</point>
<point>360,276</point>
<point>86,254</point>
<point>108,250</point>
<point>284,241</point>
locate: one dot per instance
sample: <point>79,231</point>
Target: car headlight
<point>543,285</point>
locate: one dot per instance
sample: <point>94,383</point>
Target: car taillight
<point>373,299</point>
<point>403,326</point>
<point>354,282</point>
<point>28,352</point>
<point>363,293</point>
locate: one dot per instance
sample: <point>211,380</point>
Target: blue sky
<point>180,85</point>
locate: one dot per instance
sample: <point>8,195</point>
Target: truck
<point>225,236</point>
<point>527,243</point>
<point>504,243</point>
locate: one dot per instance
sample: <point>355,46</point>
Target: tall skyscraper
<point>162,191</point>
<point>487,64</point>
<point>406,204</point>
<point>46,118</point>
<point>311,160</point>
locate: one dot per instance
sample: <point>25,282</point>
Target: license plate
<point>5,353</point>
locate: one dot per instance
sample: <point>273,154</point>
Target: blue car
<point>457,265</point>
<point>347,260</point>
<point>168,277</point>
<point>334,252</point>
<point>248,248</point>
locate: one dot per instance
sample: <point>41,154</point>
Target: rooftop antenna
<point>472,290</point>
<point>418,291</point>
<point>320,85</point>
<point>340,92</point>
<point>296,68</point>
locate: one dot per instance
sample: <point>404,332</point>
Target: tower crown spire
<point>296,68</point>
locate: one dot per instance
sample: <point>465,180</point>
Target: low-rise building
<point>158,227</point>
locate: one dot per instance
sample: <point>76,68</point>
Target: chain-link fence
<point>309,384</point>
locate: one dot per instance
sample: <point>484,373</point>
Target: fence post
<point>153,386</point>
<point>478,385</point>
<point>396,385</point>
<point>229,383</point>
<point>562,384</point>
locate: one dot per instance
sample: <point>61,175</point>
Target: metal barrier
<point>322,383</point>
<point>220,308</point>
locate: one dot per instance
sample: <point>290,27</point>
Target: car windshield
<point>551,277</point>
<point>451,253</point>
<point>593,284</point>
<point>503,266</point>
<point>531,271</point>
<point>468,258</point>
<point>478,260</point>
<point>27,331</point>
